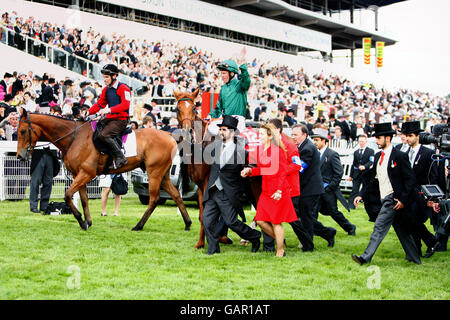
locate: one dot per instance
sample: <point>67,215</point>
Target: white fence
<point>15,178</point>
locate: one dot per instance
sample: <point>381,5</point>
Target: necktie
<point>381,158</point>
<point>411,157</point>
<point>360,153</point>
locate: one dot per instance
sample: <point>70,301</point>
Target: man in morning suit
<point>311,186</point>
<point>362,160</point>
<point>331,170</point>
<point>393,178</point>
<point>426,172</point>
<point>222,195</point>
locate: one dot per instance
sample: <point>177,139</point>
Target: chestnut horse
<point>192,125</point>
<point>155,150</point>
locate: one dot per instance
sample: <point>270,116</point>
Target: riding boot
<point>120,159</point>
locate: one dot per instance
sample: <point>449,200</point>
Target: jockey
<point>233,93</point>
<point>114,103</point>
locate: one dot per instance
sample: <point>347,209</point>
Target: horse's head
<point>27,137</point>
<point>186,108</point>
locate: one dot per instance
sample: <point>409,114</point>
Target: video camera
<point>440,136</point>
<point>432,192</point>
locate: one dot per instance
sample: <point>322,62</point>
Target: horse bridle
<point>30,146</point>
<point>178,110</point>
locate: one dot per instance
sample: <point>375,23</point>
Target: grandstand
<point>145,48</point>
<point>131,23</point>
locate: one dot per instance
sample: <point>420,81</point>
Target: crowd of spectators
<point>277,91</point>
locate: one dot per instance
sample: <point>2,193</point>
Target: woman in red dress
<point>275,204</point>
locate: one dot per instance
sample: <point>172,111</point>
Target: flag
<point>380,49</point>
<point>367,45</point>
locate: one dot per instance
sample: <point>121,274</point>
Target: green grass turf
<point>50,257</point>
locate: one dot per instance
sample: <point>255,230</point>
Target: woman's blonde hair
<point>273,134</point>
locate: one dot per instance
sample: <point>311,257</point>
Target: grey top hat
<point>320,133</point>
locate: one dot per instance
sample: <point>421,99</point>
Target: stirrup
<point>114,165</point>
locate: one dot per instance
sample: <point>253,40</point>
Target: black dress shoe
<point>255,245</point>
<point>35,210</point>
<point>414,261</point>
<point>352,231</point>
<point>432,250</point>
<point>331,239</point>
<point>358,260</point>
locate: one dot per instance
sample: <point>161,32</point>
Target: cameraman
<point>442,239</point>
<point>442,181</point>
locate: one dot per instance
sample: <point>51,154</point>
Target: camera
<point>440,136</point>
<point>432,192</point>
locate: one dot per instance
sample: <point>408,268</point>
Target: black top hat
<point>8,75</point>
<point>383,129</point>
<point>411,127</point>
<point>229,121</point>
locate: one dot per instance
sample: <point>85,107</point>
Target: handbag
<point>119,185</point>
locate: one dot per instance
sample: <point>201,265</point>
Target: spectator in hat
<point>5,82</point>
<point>18,84</point>
<point>3,114</point>
<point>391,181</point>
<point>47,96</point>
<point>332,170</point>
<point>426,172</point>
<point>289,118</point>
<point>221,198</point>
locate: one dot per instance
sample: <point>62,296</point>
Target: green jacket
<point>233,96</point>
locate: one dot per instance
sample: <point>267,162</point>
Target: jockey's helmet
<point>228,65</point>
<point>110,69</point>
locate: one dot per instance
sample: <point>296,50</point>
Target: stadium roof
<point>310,14</point>
<point>345,5</point>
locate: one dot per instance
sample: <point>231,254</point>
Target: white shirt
<point>321,151</point>
<point>382,174</point>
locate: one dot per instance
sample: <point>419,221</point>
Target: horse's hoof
<point>136,228</point>
<point>225,240</point>
<point>187,228</point>
<point>199,245</point>
<point>84,225</point>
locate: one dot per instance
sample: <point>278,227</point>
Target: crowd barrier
<point>15,177</point>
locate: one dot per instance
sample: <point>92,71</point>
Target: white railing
<point>15,177</point>
<point>58,56</point>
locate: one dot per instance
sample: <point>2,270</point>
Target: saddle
<point>102,147</point>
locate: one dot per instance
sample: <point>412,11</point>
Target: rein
<point>30,129</point>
